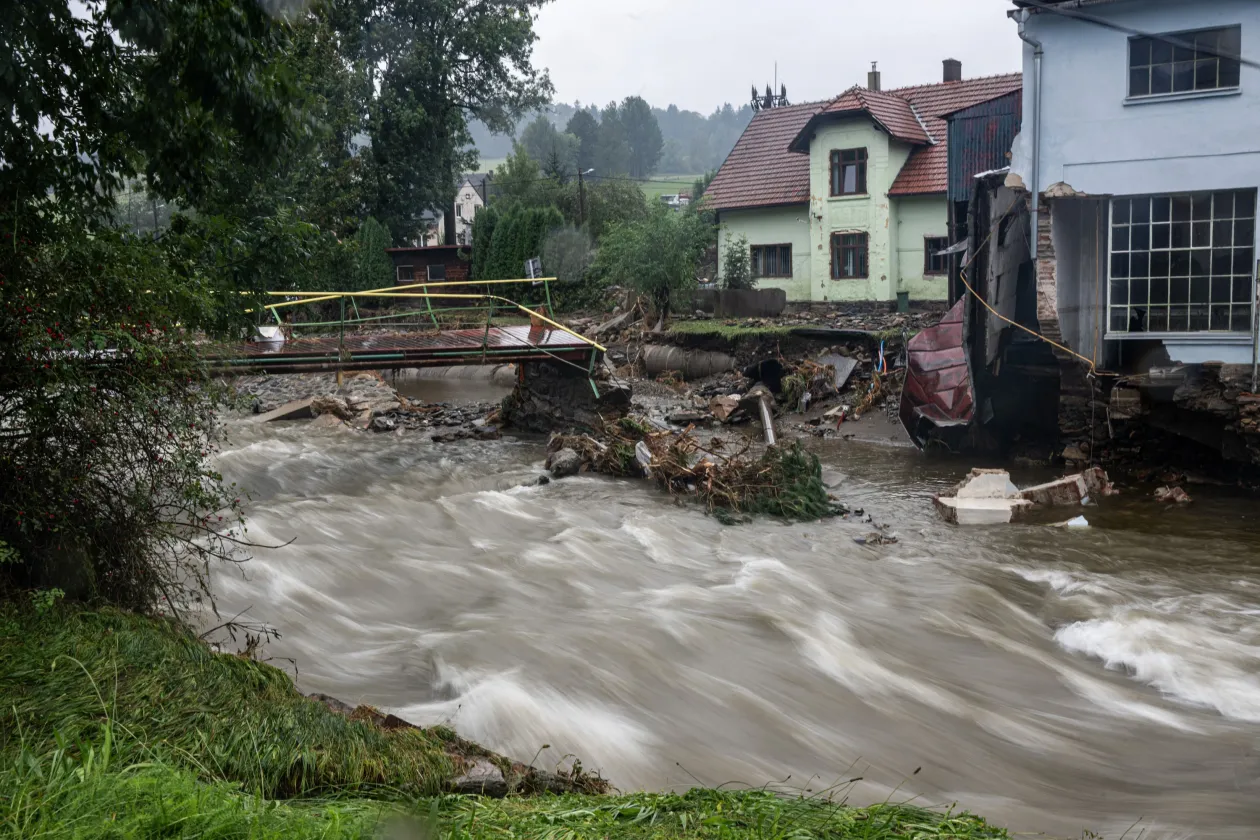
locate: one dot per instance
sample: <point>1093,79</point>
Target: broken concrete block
<point>987,484</point>
<point>984,497</point>
<point>723,407</point>
<point>958,511</point>
<point>1071,489</point>
<point>296,410</point>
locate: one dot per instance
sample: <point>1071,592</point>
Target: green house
<point>845,200</point>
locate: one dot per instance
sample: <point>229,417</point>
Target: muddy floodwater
<point>1052,679</point>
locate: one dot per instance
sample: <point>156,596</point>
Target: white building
<point>471,197</point>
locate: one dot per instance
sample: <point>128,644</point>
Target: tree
<point>519,179</point>
<point>737,264</point>
<point>483,230</point>
<point>657,255</point>
<point>430,66</point>
<point>556,152</point>
<point>108,417</point>
<point>643,136</point>
<point>518,235</point>
<point>701,184</point>
<point>612,153</point>
<point>585,128</point>
<point>373,268</point>
<point>567,254</point>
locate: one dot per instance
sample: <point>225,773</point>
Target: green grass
<point>171,699</point>
<point>56,796</point>
<point>705,813</point>
<point>732,330</point>
<point>117,726</point>
<point>657,185</point>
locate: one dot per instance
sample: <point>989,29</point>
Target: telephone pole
<point>582,196</point>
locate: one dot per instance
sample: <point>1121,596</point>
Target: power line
<point>1137,33</point>
<point>625,178</point>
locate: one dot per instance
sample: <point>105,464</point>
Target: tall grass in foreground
<point>170,698</point>
<point>81,791</point>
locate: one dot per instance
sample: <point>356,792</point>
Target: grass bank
<point>113,725</point>
<point>730,331</point>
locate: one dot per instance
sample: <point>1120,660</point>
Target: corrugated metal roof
<point>980,138</point>
<point>927,170</point>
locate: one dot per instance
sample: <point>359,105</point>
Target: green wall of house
<point>773,226</point>
<point>919,217</point>
<point>895,227</point>
<point>870,213</point>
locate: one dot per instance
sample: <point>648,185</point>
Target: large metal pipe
<point>692,364</point>
<point>1035,186</point>
<point>767,419</point>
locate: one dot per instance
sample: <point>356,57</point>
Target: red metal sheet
<point>938,392</point>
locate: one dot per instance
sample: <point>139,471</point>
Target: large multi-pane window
<point>1182,263</point>
<point>1181,62</point>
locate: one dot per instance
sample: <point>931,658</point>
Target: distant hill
<point>693,142</point>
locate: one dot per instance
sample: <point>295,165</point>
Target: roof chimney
<point>953,70</point>
<point>872,78</point>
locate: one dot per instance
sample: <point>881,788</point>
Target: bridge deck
<point>498,345</point>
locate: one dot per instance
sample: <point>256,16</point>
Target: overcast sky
<point>698,54</point>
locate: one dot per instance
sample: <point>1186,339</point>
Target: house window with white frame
<point>1182,263</point>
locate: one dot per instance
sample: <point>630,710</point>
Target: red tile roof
<point>892,112</point>
<point>761,171</point>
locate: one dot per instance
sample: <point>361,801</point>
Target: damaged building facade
<point>1124,232</point>
<point>1139,140</point>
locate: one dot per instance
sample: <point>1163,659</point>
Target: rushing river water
<point>1051,679</point>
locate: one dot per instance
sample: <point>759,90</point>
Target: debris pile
<point>1172,495</point>
<point>785,482</point>
<point>987,497</point>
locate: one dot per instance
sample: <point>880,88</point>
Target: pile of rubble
<point>732,482</point>
<point>363,401</point>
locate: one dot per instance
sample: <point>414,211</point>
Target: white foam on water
<point>829,646</point>
<point>1190,660</point>
<point>1064,583</point>
<point>503,713</point>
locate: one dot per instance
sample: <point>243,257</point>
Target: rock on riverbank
<point>365,401</point>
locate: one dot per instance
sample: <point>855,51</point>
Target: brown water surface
<point>1052,679</point>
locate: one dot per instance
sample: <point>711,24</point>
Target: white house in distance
<point>470,198</point>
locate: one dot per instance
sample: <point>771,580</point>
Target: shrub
<point>658,255</point>
<point>737,264</point>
